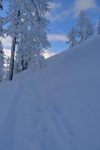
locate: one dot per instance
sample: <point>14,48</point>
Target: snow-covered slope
<point>57,108</point>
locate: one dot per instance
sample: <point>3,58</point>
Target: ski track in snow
<point>56,108</point>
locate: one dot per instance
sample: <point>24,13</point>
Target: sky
<point>62,16</point>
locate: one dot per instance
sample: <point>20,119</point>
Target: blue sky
<point>63,15</point>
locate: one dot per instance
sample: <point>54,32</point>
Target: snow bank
<point>57,108</point>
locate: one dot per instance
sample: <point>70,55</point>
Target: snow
<point>56,108</point>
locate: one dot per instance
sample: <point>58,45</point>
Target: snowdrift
<point>56,108</point>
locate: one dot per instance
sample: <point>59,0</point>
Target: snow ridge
<point>56,108</point>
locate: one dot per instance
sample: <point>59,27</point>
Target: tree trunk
<point>12,59</point>
<point>13,53</point>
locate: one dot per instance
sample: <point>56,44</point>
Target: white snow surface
<point>56,108</point>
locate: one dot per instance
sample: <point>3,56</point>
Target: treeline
<point>26,24</point>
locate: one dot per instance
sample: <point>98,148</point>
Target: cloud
<point>72,11</point>
<point>48,54</point>
<point>57,37</point>
<point>58,16</point>
<point>84,5</point>
<point>63,15</point>
<point>53,5</point>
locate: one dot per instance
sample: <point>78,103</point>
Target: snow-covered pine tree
<point>24,52</point>
<point>28,31</point>
<point>14,42</point>
<point>18,17</point>
<point>40,35</point>
<point>33,40</point>
<point>98,28</point>
<point>85,27</point>
<point>13,19</point>
<point>72,37</point>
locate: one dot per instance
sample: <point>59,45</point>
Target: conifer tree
<point>85,27</point>
<point>13,31</point>
<point>32,48</point>
<point>72,37</point>
<point>28,31</point>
